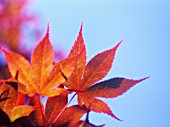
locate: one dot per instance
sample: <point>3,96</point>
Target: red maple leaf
<point>83,79</point>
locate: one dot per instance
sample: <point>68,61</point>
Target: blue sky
<point>145,27</point>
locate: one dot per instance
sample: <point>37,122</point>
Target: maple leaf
<point>83,79</point>
<point>82,123</point>
<point>54,107</point>
<point>46,116</point>
<point>112,88</point>
<point>66,119</point>
<point>9,106</point>
<point>76,76</point>
<point>41,76</point>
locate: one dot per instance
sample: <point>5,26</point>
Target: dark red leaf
<point>54,106</point>
<point>111,88</point>
<point>37,115</point>
<point>96,105</point>
<point>98,67</point>
<point>4,119</point>
<point>70,115</point>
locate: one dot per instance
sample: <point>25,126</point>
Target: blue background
<point>145,27</point>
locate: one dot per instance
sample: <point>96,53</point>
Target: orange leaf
<point>70,115</point>
<point>19,63</point>
<point>23,89</point>
<point>99,66</point>
<point>54,106</point>
<point>9,106</point>
<point>111,88</point>
<point>54,92</point>
<point>19,111</point>
<point>41,78</point>
<point>11,94</point>
<point>78,48</point>
<point>59,73</point>
<point>42,60</point>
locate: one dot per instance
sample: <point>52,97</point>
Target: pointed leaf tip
<point>120,42</point>
<point>140,80</point>
<point>81,28</point>
<point>48,29</point>
<point>82,23</point>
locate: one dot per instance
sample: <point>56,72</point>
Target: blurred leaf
<point>22,122</point>
<point>4,119</point>
<point>20,111</point>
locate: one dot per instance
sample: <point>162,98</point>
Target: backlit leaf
<point>96,105</point>
<point>54,106</point>
<point>11,93</point>
<point>42,60</point>
<point>20,99</point>
<point>19,63</point>
<point>54,92</point>
<point>78,47</point>
<point>71,114</point>
<point>36,115</point>
<point>55,78</point>
<point>19,111</point>
<point>44,78</point>
<point>99,66</point>
<point>112,88</point>
<point>41,77</point>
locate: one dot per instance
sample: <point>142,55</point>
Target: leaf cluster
<point>20,95</point>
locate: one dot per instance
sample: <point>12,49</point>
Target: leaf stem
<point>64,108</point>
<point>41,110</point>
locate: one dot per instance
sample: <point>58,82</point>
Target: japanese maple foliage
<point>20,96</point>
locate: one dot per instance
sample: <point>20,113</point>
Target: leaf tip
<point>82,23</point>
<point>120,42</point>
<point>144,78</point>
<point>116,117</point>
<point>48,29</point>
<point>81,28</point>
